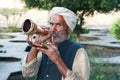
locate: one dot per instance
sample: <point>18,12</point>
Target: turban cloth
<point>68,15</point>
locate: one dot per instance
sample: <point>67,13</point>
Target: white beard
<point>60,37</point>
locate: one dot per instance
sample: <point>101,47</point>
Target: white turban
<point>68,15</point>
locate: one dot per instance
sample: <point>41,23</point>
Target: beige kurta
<point>80,69</point>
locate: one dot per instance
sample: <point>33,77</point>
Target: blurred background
<point>97,29</point>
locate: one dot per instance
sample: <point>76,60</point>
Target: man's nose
<point>53,27</point>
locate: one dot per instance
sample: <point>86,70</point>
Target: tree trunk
<point>80,22</point>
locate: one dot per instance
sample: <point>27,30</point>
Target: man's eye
<point>51,24</point>
<point>59,24</point>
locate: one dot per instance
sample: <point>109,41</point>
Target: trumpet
<point>30,28</point>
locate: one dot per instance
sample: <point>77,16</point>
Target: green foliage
<point>5,36</point>
<point>96,73</point>
<point>102,71</point>
<point>115,29</point>
<point>77,31</point>
<point>12,28</point>
<point>85,7</point>
<point>0,36</point>
<point>75,5</point>
<point>7,11</point>
<point>73,36</point>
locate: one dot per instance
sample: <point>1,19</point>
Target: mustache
<point>54,33</point>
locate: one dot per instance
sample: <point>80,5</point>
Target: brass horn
<point>30,28</point>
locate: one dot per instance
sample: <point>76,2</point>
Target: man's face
<point>59,27</point>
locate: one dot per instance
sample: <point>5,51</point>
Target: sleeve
<point>81,67</point>
<point>31,69</point>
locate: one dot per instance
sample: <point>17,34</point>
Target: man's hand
<point>54,55</point>
<point>51,51</point>
<point>40,38</point>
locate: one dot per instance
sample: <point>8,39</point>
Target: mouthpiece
<point>30,28</point>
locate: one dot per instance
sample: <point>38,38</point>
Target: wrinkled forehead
<point>57,18</point>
